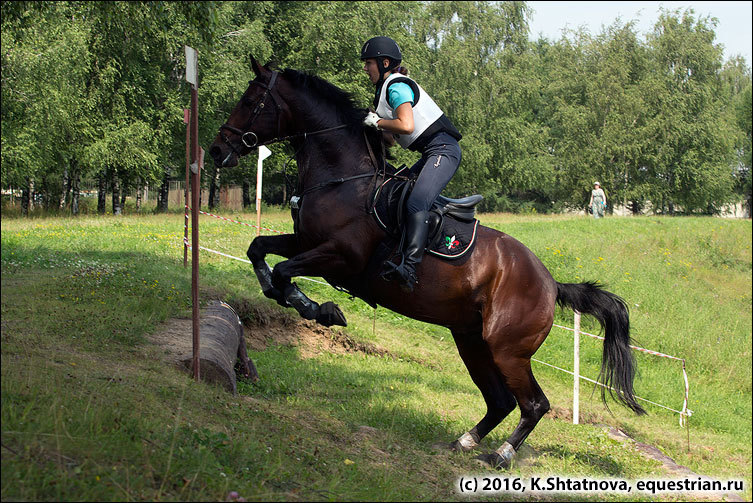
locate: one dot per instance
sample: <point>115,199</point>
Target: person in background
<point>404,109</point>
<point>598,201</point>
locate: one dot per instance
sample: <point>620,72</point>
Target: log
<point>221,342</point>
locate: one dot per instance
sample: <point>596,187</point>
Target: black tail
<point>617,365</point>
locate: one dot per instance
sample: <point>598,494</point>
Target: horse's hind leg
<point>487,377</point>
<point>531,400</point>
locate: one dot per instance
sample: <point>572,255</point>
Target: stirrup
<point>407,279</point>
<point>389,270</point>
<point>404,275</point>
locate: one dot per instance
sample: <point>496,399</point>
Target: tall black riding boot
<point>416,233</point>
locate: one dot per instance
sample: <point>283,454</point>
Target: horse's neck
<point>329,155</point>
<point>335,156</point>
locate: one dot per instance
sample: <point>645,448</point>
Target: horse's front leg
<point>285,245</point>
<point>320,261</point>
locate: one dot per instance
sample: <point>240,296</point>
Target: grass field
<point>90,410</point>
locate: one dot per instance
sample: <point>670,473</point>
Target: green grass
<point>90,411</point>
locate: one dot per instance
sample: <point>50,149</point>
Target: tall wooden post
<point>264,152</point>
<point>192,78</point>
<point>187,122</point>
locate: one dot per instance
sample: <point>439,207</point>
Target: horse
<point>498,303</point>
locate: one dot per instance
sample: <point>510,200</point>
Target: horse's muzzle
<point>222,156</point>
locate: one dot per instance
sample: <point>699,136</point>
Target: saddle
<point>452,222</point>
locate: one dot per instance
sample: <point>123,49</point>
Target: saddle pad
<point>453,240</point>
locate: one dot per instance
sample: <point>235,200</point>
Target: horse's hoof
<point>458,447</point>
<point>330,314</point>
<point>492,460</point>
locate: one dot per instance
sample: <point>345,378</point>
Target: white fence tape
<point>685,412</point>
<point>185,242</point>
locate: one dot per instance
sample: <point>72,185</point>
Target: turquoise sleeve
<point>399,93</point>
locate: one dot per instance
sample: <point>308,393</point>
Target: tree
<point>225,72</point>
<point>693,144</point>
<point>658,120</point>
<point>737,83</point>
<point>480,72</point>
<point>44,120</point>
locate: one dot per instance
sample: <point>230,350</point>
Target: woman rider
<point>406,110</point>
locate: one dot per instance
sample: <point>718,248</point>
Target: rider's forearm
<point>403,123</point>
<point>396,126</point>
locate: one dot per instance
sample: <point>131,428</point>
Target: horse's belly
<point>428,304</point>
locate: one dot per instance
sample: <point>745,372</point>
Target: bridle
<point>248,137</point>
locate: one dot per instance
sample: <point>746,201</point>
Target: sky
<point>733,30</point>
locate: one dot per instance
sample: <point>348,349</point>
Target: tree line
<point>94,92</point>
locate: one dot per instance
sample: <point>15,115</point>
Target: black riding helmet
<point>380,48</point>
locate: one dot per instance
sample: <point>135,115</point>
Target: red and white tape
<point>234,221</point>
<point>685,412</point>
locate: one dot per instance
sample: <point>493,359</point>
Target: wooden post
<point>576,369</point>
<point>192,78</point>
<point>195,190</point>
<point>186,121</point>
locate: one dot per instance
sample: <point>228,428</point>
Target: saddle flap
<point>452,222</point>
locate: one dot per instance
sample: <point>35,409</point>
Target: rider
<point>406,110</point>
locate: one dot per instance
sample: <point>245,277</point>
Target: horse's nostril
<point>215,152</point>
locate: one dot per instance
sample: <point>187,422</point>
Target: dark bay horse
<point>498,303</point>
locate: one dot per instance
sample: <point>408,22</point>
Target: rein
<point>276,139</point>
<point>336,181</point>
<point>259,106</point>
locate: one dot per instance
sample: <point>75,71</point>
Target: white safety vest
<point>425,111</point>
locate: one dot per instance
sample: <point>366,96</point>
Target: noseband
<point>248,137</point>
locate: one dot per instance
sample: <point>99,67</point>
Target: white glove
<point>371,120</point>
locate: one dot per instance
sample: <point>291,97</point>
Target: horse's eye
<point>248,102</point>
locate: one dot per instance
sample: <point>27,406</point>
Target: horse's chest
<point>315,222</point>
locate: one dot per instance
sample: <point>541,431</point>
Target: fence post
<point>264,152</point>
<point>186,121</point>
<point>196,162</point>
<point>576,369</point>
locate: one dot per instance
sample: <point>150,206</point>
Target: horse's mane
<point>342,101</point>
<point>324,91</point>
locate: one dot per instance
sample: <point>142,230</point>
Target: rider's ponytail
<point>401,69</point>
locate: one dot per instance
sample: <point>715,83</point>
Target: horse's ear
<point>255,66</point>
